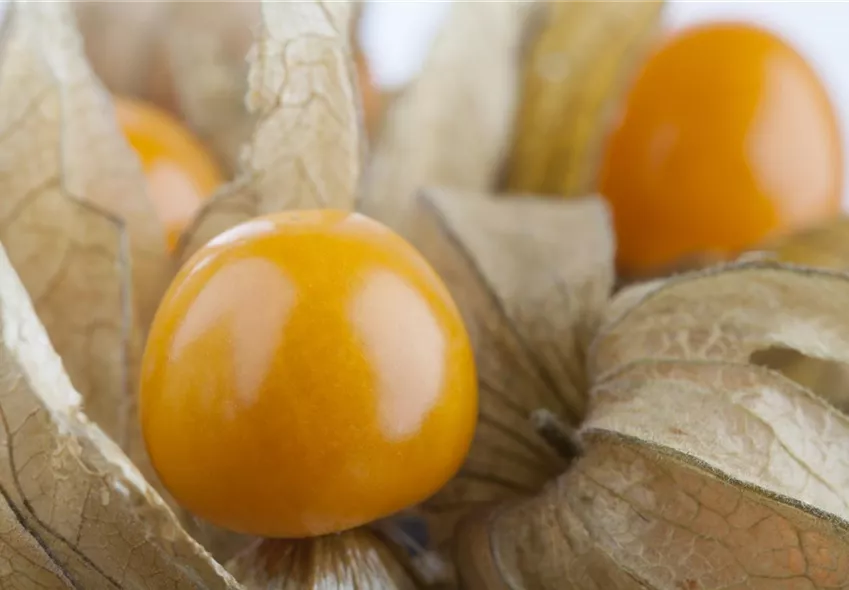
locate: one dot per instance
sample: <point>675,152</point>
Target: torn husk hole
<point>827,379</point>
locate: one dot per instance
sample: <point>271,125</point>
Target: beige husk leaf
<point>305,151</point>
<point>573,80</point>
<point>531,277</point>
<point>186,57</point>
<point>452,125</point>
<point>823,246</point>
<point>355,560</point>
<point>701,470</point>
<point>122,42</point>
<point>74,511</point>
<point>204,53</point>
<point>73,212</point>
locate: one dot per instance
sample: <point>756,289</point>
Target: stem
<point>559,436</point>
<point>427,565</point>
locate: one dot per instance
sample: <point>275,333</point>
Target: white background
<point>397,36</point>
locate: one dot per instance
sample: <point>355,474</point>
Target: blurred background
<point>396,37</point>
<point>707,144</point>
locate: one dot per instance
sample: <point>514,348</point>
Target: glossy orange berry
<point>727,138</point>
<point>180,172</point>
<point>306,372</point>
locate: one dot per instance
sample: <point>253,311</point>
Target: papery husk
<point>356,559</point>
<point>75,512</point>
<point>301,89</point>
<point>189,58</point>
<point>74,212</point>
<point>572,84</point>
<point>204,50</point>
<point>823,246</point>
<point>123,44</point>
<point>530,299</point>
<point>701,469</point>
<point>452,125</point>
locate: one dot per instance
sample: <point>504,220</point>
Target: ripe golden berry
<point>306,372</point>
<point>727,138</point>
<point>180,172</point>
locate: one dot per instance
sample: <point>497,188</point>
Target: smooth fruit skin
<point>306,372</point>
<point>727,138</point>
<point>180,172</point>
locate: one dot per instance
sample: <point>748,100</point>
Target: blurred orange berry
<point>181,173</point>
<point>727,138</point>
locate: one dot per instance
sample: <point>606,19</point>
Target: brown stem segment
<point>559,436</point>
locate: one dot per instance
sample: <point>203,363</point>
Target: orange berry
<point>727,138</point>
<point>180,172</point>
<point>306,372</point>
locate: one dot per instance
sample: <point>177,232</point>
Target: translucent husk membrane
<point>687,433</point>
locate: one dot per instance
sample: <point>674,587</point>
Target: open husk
<point>700,469</point>
<point>696,467</point>
<point>530,300</point>
<point>74,213</point>
<point>75,512</point>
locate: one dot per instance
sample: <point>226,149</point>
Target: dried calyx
<point>709,462</point>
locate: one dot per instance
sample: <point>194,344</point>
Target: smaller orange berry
<point>180,172</point>
<point>728,138</point>
<point>306,372</point>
